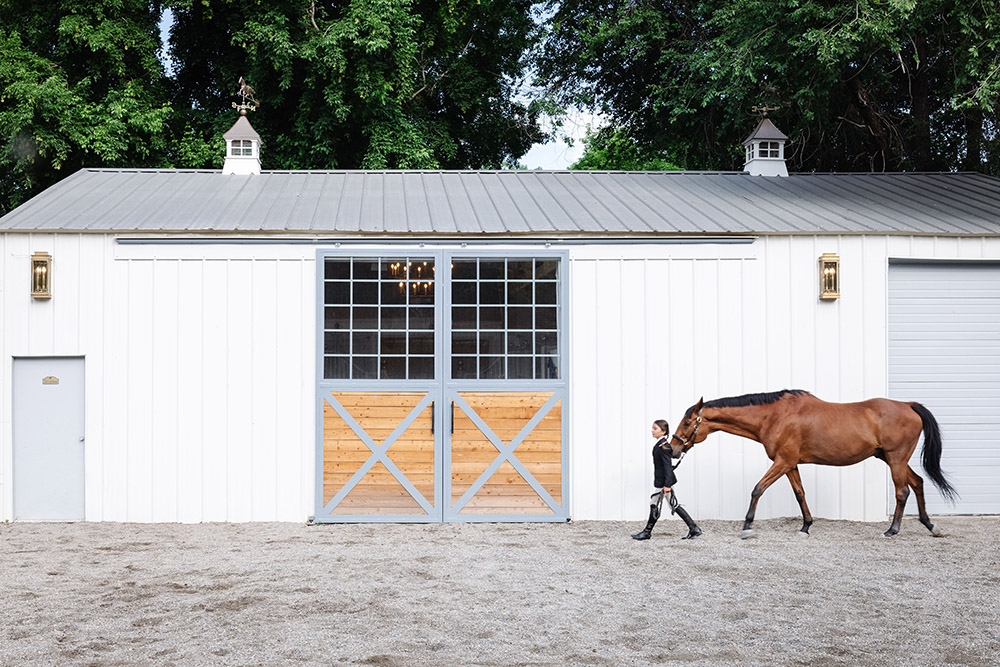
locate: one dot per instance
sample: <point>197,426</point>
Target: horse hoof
<point>744,534</point>
<point>802,534</point>
<point>888,534</point>
<point>936,532</point>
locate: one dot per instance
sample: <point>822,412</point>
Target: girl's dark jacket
<point>663,469</point>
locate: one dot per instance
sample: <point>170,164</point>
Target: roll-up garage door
<point>944,351</point>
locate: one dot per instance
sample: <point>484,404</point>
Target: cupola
<point>242,148</point>
<point>765,151</point>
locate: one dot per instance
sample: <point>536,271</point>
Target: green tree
<point>80,85</point>
<point>861,85</point>
<point>611,148</point>
<point>361,83</point>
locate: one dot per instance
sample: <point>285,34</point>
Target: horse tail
<point>932,452</point>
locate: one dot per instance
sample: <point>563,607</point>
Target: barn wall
<point>200,373</point>
<point>655,327</point>
<point>200,367</point>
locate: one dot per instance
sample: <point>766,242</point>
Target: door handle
<point>453,417</point>
<point>82,438</point>
<point>432,417</point>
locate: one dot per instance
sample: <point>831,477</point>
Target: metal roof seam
<point>620,202</point>
<point>569,215</point>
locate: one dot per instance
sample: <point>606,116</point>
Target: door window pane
<point>463,368</point>
<point>463,292</point>
<point>545,292</point>
<point>364,368</point>
<point>393,342</point>
<point>337,269</point>
<point>491,318</point>
<point>337,367</point>
<point>463,342</point>
<point>364,343</point>
<point>337,318</point>
<point>422,318</point>
<point>491,343</point>
<point>519,269</point>
<point>336,342</point>
<point>365,269</point>
<point>491,270</point>
<point>519,292</point>
<point>336,293</point>
<point>365,293</point>
<point>364,318</point>
<point>463,318</point>
<point>463,269</point>
<point>393,368</point>
<point>422,342</point>
<point>393,318</point>
<point>490,293</point>
<point>421,368</point>
<point>520,368</point>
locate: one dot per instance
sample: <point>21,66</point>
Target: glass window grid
<point>357,363</point>
<point>539,363</point>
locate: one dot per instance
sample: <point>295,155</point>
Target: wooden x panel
<point>505,415</point>
<point>350,463</point>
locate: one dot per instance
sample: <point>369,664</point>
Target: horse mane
<point>749,399</point>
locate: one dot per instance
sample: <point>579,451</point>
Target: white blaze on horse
<point>796,427</point>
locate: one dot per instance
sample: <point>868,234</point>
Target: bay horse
<point>796,427</point>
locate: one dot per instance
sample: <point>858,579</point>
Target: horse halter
<point>694,434</point>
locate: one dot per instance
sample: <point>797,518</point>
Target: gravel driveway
<point>498,594</point>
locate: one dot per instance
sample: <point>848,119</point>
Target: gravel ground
<point>497,594</point>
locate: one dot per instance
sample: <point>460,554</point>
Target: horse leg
<point>800,495</point>
<point>916,483</point>
<point>777,469</point>
<point>899,479</point>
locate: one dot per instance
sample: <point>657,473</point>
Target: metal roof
<point>507,203</point>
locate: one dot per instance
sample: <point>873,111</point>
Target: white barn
<point>275,346</point>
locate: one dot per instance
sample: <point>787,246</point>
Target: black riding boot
<point>693,529</point>
<point>648,530</point>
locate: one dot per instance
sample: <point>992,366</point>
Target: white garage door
<point>944,351</point>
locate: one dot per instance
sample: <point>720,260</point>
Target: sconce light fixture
<point>829,276</point>
<point>41,275</point>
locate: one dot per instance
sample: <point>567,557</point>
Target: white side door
<point>49,439</point>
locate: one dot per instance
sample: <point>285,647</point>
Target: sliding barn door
<point>441,400</point>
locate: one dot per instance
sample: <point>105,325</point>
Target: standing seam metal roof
<point>512,203</point>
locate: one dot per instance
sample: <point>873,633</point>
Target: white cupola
<point>242,148</point>
<point>765,149</point>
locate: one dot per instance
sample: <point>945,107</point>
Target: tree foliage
<point>861,85</point>
<point>80,84</point>
<point>611,148</point>
<point>362,83</point>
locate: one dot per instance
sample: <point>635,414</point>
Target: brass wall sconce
<point>41,275</point>
<point>829,276</point>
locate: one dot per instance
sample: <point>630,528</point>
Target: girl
<point>663,480</point>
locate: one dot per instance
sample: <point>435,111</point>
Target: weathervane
<point>249,101</point>
<point>755,109</point>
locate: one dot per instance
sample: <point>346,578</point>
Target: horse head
<point>686,434</point>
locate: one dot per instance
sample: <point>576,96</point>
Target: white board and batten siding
<point>200,369</point>
<point>653,328</point>
<point>200,364</point>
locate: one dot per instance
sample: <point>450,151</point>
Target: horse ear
<point>700,404</point>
